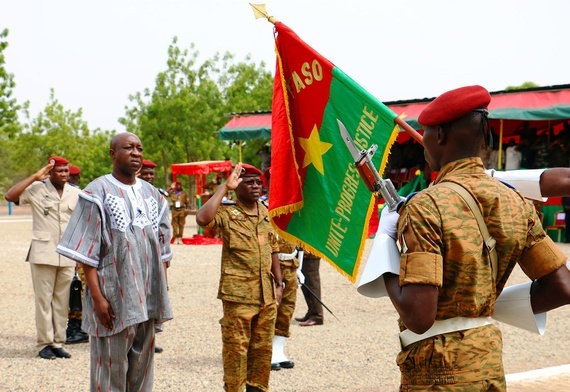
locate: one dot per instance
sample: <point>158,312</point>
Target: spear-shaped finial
<point>260,12</point>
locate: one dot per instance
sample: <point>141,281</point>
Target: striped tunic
<point>124,232</point>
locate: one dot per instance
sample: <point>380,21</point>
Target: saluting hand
<point>234,179</point>
<point>43,173</point>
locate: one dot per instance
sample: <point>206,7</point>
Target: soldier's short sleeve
<point>541,256</point>
<point>217,221</point>
<point>274,242</point>
<point>542,259</point>
<point>28,193</point>
<point>420,242</point>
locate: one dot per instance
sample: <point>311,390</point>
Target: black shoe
<point>60,353</point>
<point>47,353</point>
<point>78,337</point>
<point>287,364</point>
<point>73,326</point>
<point>302,319</point>
<point>275,366</point>
<point>158,350</point>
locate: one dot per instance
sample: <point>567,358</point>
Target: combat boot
<point>77,335</point>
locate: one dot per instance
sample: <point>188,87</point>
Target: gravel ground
<point>354,353</point>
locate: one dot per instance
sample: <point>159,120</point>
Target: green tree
<point>247,87</point>
<point>59,131</point>
<point>8,107</point>
<point>179,119</point>
<point>9,125</point>
<point>523,86</point>
<point>173,119</point>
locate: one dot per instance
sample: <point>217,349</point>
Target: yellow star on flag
<point>314,150</point>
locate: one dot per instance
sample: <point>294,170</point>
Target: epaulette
<point>228,203</point>
<point>265,203</point>
<point>163,192</point>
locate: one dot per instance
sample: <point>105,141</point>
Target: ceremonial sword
<point>300,254</point>
<point>318,299</point>
<point>367,170</point>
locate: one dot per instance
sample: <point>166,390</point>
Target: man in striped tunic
<point>120,232</point>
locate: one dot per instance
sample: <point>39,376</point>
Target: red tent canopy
<point>543,107</point>
<point>200,170</point>
<point>246,126</point>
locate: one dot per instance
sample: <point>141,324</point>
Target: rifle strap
<point>490,242</point>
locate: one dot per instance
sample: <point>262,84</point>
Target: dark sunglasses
<point>253,182</point>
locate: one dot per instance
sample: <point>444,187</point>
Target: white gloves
<point>300,276</point>
<point>525,181</point>
<point>300,257</point>
<point>388,223</point>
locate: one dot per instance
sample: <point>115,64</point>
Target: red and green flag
<point>317,198</point>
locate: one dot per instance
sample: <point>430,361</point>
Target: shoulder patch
<point>236,215</point>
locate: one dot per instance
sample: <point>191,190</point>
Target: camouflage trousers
<point>178,221</point>
<point>247,342</point>
<point>288,301</point>
<point>462,361</point>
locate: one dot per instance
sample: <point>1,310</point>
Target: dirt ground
<point>354,353</point>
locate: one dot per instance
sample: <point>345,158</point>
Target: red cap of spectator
<point>74,170</point>
<point>147,163</point>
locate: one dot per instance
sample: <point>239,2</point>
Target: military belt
<point>441,327</point>
<point>287,256</point>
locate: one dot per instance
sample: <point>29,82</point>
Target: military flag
<point>317,198</point>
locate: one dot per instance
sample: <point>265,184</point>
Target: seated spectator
<point>513,156</point>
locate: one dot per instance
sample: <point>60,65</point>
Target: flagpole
<point>408,128</point>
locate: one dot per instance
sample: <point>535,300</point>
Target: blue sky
<point>95,54</point>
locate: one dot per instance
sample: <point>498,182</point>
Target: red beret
<point>454,104</point>
<point>267,173</point>
<point>58,161</point>
<point>147,163</point>
<point>250,170</point>
<point>74,170</point>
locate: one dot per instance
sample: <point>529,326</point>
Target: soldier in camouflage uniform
<point>289,261</point>
<point>446,274</point>
<point>179,203</point>
<point>250,283</point>
<point>288,257</point>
